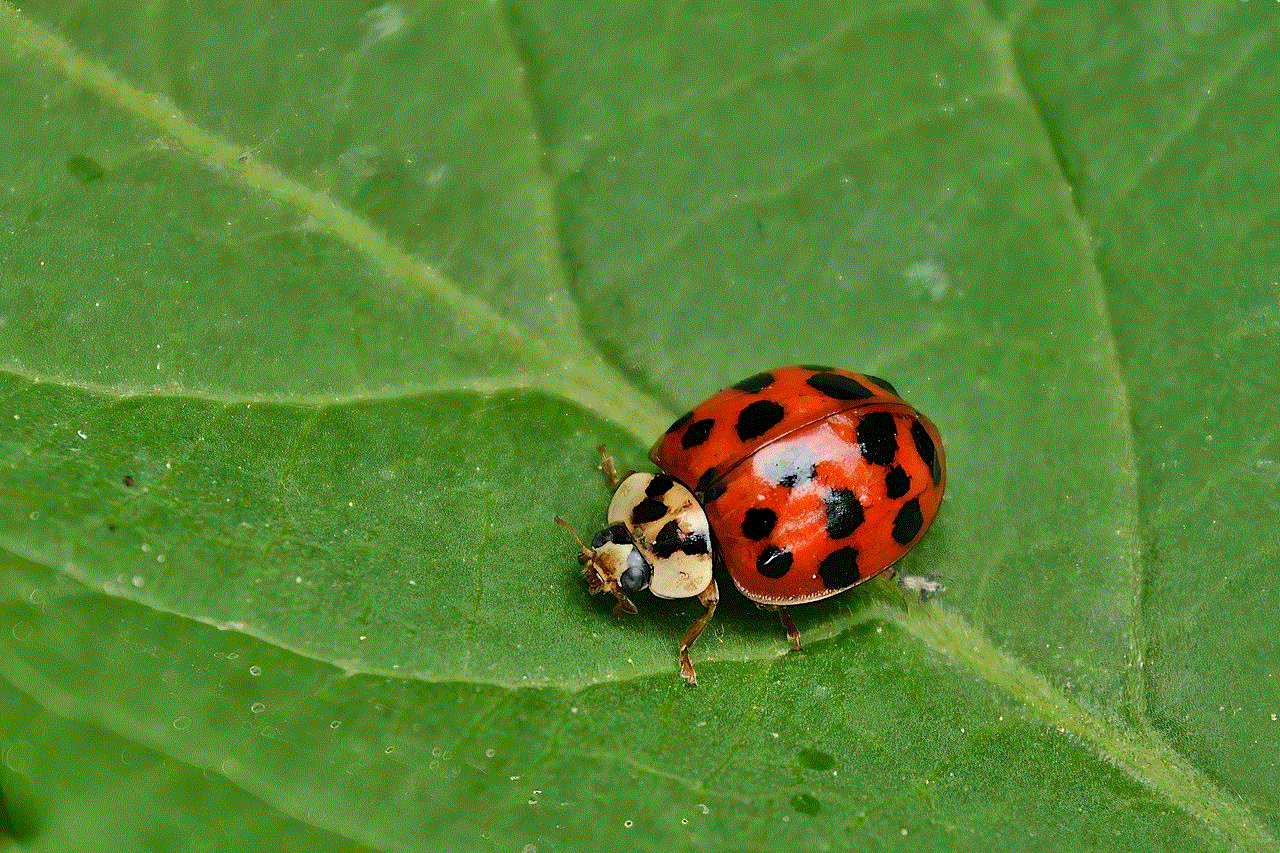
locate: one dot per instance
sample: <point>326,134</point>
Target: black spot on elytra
<point>757,419</point>
<point>648,510</point>
<point>896,482</point>
<point>758,523</point>
<point>680,421</point>
<point>838,387</point>
<point>659,486</point>
<point>839,569</point>
<point>774,562</point>
<point>697,433</point>
<point>790,481</point>
<point>924,446</point>
<point>844,513</point>
<point>878,437</point>
<point>755,384</point>
<point>907,523</point>
<point>696,544</point>
<point>883,383</point>
<point>714,491</point>
<point>708,476</point>
<point>667,542</point>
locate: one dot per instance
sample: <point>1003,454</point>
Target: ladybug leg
<point>610,470</point>
<point>624,604</point>
<point>709,598</point>
<point>793,633</point>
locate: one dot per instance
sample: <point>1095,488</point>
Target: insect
<point>805,481</point>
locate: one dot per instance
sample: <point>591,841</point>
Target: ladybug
<point>806,481</point>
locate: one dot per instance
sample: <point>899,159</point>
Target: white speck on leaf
<point>931,277</point>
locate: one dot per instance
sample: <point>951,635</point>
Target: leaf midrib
<point>1139,750</point>
<point>1140,754</point>
<point>998,39</point>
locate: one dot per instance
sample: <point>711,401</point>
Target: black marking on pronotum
<point>774,562</point>
<point>659,486</point>
<point>758,523</point>
<point>896,482</point>
<point>668,540</point>
<point>648,510</point>
<point>695,544</point>
<point>757,419</point>
<point>907,523</point>
<point>844,513</point>
<point>838,386</point>
<point>755,384</point>
<point>616,532</point>
<point>878,437</point>
<point>924,446</point>
<point>839,569</point>
<point>697,433</point>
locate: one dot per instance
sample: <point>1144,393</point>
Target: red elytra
<point>813,480</point>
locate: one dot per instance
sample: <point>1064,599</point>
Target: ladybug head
<point>613,564</point>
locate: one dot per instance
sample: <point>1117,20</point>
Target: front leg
<point>624,605</point>
<point>709,597</point>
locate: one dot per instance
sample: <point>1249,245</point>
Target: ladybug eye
<point>638,572</point>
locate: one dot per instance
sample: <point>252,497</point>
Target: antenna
<point>569,527</point>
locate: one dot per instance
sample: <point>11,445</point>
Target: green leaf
<point>310,323</point>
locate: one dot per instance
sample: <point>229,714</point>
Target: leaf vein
<point>1195,115</point>
<point>567,365</point>
<point>756,710</point>
<point>792,60</point>
<point>680,232</point>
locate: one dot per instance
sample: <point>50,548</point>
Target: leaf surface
<point>310,323</point>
